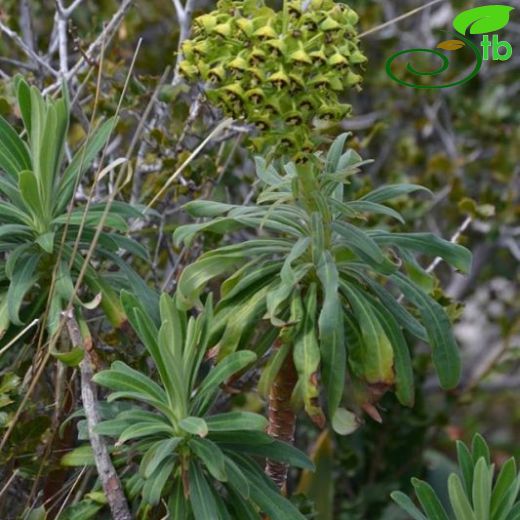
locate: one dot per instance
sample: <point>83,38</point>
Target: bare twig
<point>136,185</point>
<point>216,131</point>
<point>454,239</point>
<point>399,18</point>
<point>102,40</point>
<point>69,492</point>
<point>13,35</point>
<point>106,471</point>
<point>26,24</point>
<point>72,7</point>
<point>8,483</point>
<point>62,38</point>
<point>18,336</point>
<point>106,36</point>
<point>184,17</point>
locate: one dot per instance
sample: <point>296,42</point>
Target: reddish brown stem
<point>282,419</point>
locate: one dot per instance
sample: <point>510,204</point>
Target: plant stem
<point>282,418</point>
<point>106,471</point>
<point>285,16</point>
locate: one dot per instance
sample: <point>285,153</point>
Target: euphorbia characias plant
<point>199,461</point>
<point>324,297</point>
<point>43,234</point>
<point>473,491</point>
<point>328,283</point>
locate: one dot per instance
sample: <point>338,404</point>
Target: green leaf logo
<point>481,20</point>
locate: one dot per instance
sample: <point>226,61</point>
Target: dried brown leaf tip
<point>451,45</point>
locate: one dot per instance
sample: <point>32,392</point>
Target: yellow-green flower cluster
<point>282,71</point>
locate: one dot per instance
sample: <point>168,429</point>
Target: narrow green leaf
<point>429,244</point>
<point>482,482</point>
<point>445,353</point>
<point>416,272</point>
<point>46,242</point>
<point>156,454</point>
<point>405,503</point>
<point>265,494</point>
<point>267,174</point>
<point>242,437</point>
<point>4,314</point>
<point>171,369</point>
<point>38,116</point>
<point>373,360</point>
<point>480,448</point>
<point>236,478</point>
<point>15,230</point>
<point>272,368</point>
<point>466,466</point>
<point>130,383</point>
<point>23,94</point>
<point>218,375</point>
<point>317,233</point>
<point>207,208</point>
<point>111,427</point>
<point>194,425</point>
<point>514,514</point>
<point>23,279</point>
<point>364,247</point>
<point>13,153</point>
<point>31,195</point>
<point>196,275</point>
<point>154,485</point>
<point>349,160</point>
<point>306,355</point>
<point>48,155</point>
<point>392,191</point>
<point>365,206</point>
<point>508,504</point>
<point>289,278</point>
<point>240,322</point>
<point>178,506</point>
<point>505,480</point>
<point>72,358</point>
<point>335,152</point>
<point>236,421</point>
<point>404,377</point>
<point>459,500</point>
<point>331,333</point>
<point>10,213</point>
<point>9,188</point>
<point>81,161</point>
<point>276,450</point>
<point>398,311</point>
<point>122,377</point>
<point>145,429</point>
<point>159,348</point>
<point>92,219</point>
<point>220,225</point>
<point>429,501</point>
<point>211,456</point>
<point>201,498</point>
<point>81,456</point>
